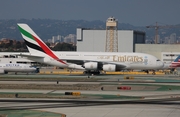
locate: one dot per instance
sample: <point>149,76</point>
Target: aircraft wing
<point>120,65</point>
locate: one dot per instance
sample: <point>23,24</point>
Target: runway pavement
<point>96,109</point>
<point>161,101</point>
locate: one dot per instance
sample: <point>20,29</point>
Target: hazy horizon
<point>137,12</point>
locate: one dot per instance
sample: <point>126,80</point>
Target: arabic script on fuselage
<point>123,58</point>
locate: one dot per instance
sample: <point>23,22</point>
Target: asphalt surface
<point>158,101</point>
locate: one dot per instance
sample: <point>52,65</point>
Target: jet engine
<point>109,67</point>
<point>91,65</point>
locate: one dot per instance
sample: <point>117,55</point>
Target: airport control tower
<point>111,35</point>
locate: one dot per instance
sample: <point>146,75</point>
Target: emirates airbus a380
<point>91,62</point>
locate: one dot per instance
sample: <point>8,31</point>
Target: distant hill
<point>46,28</point>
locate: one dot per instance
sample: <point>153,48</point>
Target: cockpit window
<point>158,60</point>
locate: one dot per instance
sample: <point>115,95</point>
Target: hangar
<point>95,40</point>
<point>110,39</point>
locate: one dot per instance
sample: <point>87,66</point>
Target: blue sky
<point>135,12</point>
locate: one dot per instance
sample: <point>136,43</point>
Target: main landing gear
<point>147,71</point>
<point>91,73</point>
<point>153,72</point>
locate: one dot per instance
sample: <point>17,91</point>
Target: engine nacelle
<point>109,67</point>
<point>91,65</point>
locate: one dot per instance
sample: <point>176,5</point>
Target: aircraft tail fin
<point>177,59</point>
<point>34,44</point>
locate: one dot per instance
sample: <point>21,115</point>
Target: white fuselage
<point>130,60</point>
<point>15,67</point>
